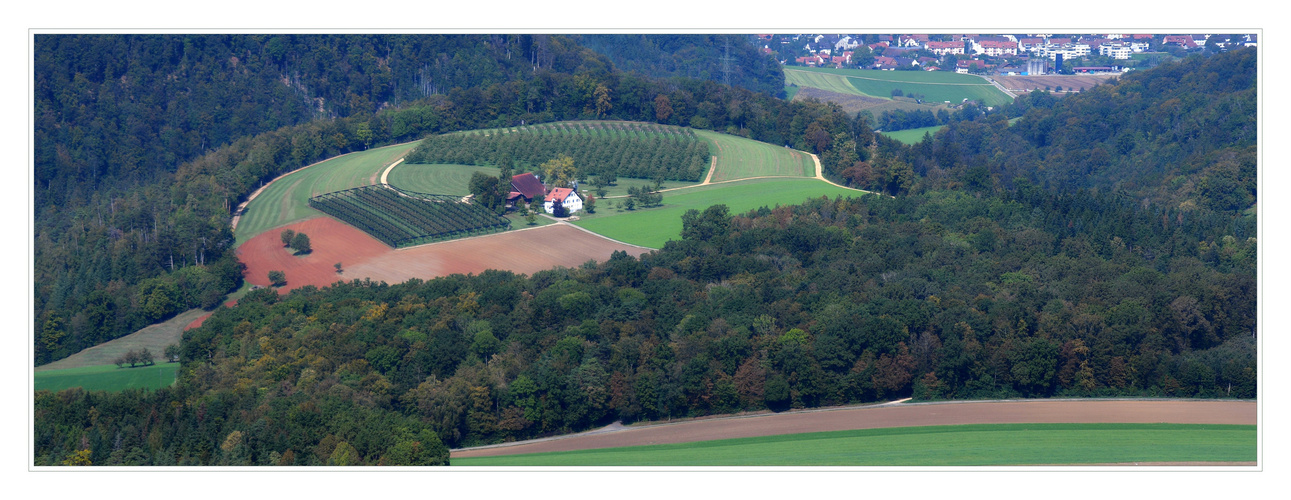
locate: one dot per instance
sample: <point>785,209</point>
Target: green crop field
<point>740,158</point>
<point>654,226</point>
<point>436,179</point>
<point>935,86</point>
<point>286,200</point>
<point>790,91</point>
<point>952,445</point>
<point>914,135</point>
<point>823,81</point>
<point>107,377</point>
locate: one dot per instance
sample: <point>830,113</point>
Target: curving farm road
<point>889,415</point>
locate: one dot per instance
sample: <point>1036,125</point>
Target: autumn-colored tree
<point>662,108</point>
<point>602,100</point>
<point>559,171</point>
<point>817,137</point>
<point>78,458</point>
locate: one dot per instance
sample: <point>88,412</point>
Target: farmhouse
<point>524,189</point>
<point>564,196</point>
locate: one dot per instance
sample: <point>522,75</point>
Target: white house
<point>565,196</point>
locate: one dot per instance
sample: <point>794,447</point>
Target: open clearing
<point>361,256</point>
<point>914,135</point>
<point>286,200</point>
<point>155,338</point>
<point>954,445</point>
<point>1242,413</point>
<point>653,227</point>
<point>108,377</point>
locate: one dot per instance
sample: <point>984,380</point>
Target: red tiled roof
<point>559,194</point>
<point>528,185</point>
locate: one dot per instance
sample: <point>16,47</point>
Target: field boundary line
<point>618,426</point>
<point>499,233</point>
<point>599,235</point>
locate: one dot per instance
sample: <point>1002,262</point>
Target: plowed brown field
<point>361,256</point>
<point>1067,82</point>
<point>901,415</point>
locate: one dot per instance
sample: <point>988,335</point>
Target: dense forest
<point>728,59</point>
<point>936,295</point>
<point>1101,244</point>
<point>124,247</point>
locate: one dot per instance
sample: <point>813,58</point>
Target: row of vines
<point>641,150</point>
<point>401,218</point>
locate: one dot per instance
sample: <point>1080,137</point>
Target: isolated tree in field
<point>172,353</point>
<point>559,171</point>
<point>146,357</point>
<point>277,278</point>
<point>287,236</point>
<point>338,267</point>
<point>531,218</point>
<point>301,243</point>
<point>590,204</point>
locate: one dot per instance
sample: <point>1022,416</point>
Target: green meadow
<point>914,135</point>
<point>952,445</point>
<point>286,200</point>
<point>107,377</point>
<point>740,158</point>
<point>935,86</point>
<point>652,227</point>
<point>436,179</point>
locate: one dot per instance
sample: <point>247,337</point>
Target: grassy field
<point>740,158</point>
<point>954,445</point>
<point>914,135</point>
<point>108,377</point>
<point>287,199</point>
<point>936,86</point>
<point>790,91</point>
<point>823,81</point>
<point>155,338</point>
<point>436,179</point>
<point>654,226</point>
<point>620,187</point>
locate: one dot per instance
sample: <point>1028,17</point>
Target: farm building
<point>564,196</point>
<point>524,189</point>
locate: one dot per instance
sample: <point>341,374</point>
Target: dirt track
<point>521,251</point>
<point>902,415</point>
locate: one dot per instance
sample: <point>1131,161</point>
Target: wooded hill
<point>1006,266</point>
<point>111,235</point>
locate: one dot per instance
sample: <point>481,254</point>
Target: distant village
<point>1022,54</point>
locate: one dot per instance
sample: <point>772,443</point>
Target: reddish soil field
<point>897,415</point>
<point>521,251</point>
